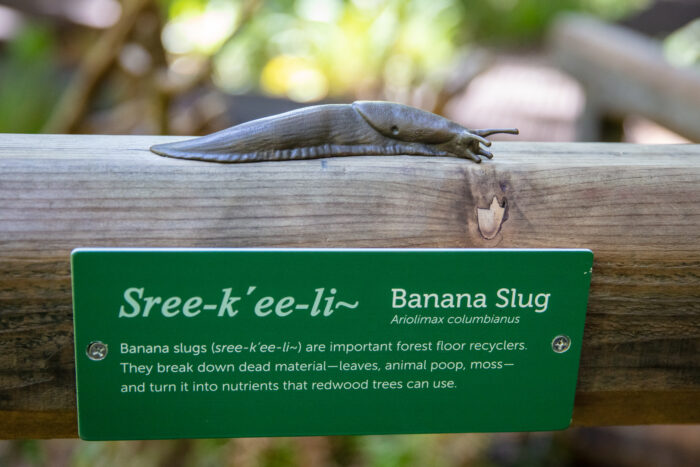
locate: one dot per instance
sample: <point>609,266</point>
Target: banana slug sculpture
<point>357,129</point>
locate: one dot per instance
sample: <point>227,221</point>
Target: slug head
<point>404,123</point>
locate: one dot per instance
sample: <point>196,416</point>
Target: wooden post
<point>637,207</point>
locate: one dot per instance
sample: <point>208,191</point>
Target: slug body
<point>361,128</point>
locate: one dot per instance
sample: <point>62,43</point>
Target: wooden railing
<point>636,207</point>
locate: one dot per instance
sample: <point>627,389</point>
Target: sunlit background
<point>195,66</point>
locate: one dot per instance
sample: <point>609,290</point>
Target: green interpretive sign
<point>294,342</point>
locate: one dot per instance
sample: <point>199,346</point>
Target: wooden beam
<point>637,208</point>
<point>625,72</point>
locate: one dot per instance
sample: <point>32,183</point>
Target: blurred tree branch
<point>73,104</point>
<point>169,88</point>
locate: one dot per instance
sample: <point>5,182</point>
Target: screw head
<point>96,350</point>
<point>561,343</point>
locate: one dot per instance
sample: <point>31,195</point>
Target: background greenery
<point>302,50</point>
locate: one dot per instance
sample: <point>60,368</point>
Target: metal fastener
<point>97,350</point>
<point>561,343</point>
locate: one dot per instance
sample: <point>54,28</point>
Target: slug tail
<point>205,148</point>
<point>172,150</point>
<point>169,150</point>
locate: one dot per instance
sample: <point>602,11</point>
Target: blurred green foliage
<point>683,46</point>
<point>304,50</point>
<point>28,82</point>
<point>307,50</point>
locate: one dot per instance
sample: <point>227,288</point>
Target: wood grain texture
<point>636,207</point>
<point>625,73</point>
